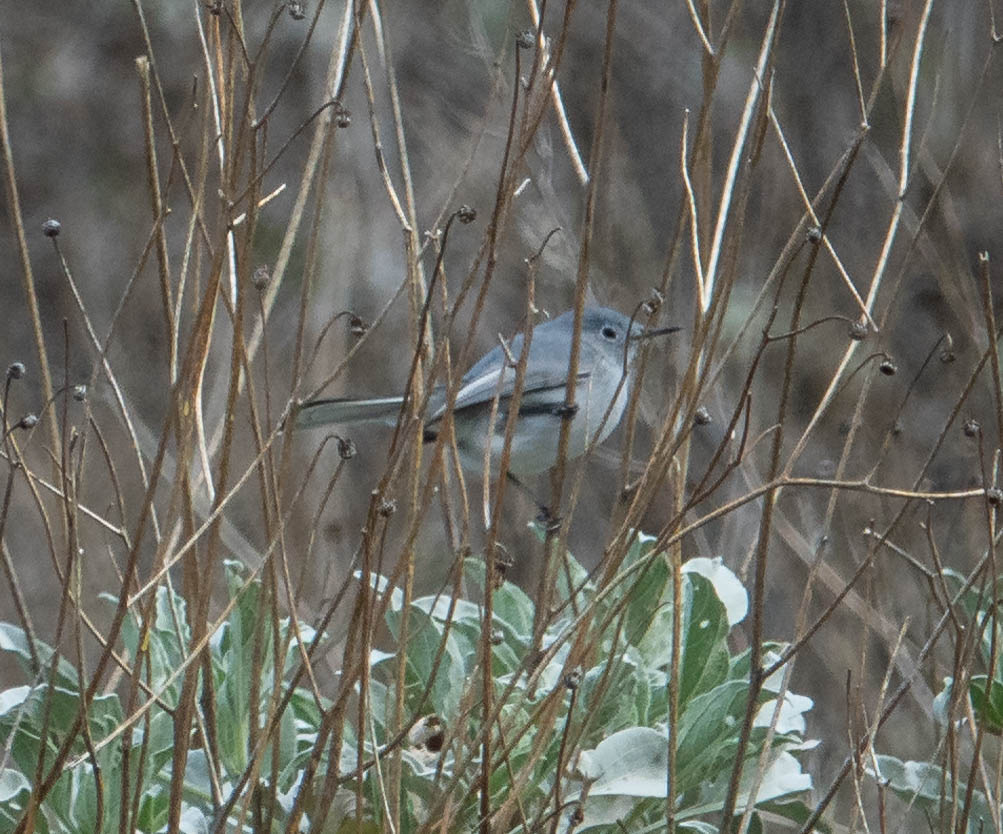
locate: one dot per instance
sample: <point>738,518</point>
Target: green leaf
<point>423,639</point>
<point>942,702</point>
<point>623,771</point>
<point>649,601</point>
<point>286,732</point>
<point>159,741</point>
<point>572,580</point>
<point>783,777</point>
<point>988,709</point>
<point>29,703</point>
<point>12,783</point>
<point>153,808</point>
<point>198,780</point>
<point>791,718</point>
<point>707,733</point>
<point>443,609</point>
<point>755,824</point>
<point>381,585</point>
<point>727,586</point>
<point>616,707</point>
<point>351,826</point>
<point>11,699</point>
<point>243,652</point>
<point>771,652</point>
<point>610,812</point>
<point>698,826</point>
<point>796,811</point>
<point>632,762</point>
<point>928,785</point>
<point>14,640</point>
<point>511,604</point>
<point>193,821</point>
<point>705,650</point>
<point>166,643</point>
<point>14,792</point>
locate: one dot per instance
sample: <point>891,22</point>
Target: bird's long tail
<point>327,412</point>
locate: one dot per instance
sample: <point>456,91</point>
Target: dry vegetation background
<point>907,239</point>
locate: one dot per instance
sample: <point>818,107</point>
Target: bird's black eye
<point>609,332</point>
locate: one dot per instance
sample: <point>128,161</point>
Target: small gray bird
<point>609,344</point>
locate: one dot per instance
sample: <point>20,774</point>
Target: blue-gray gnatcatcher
<point>608,345</point>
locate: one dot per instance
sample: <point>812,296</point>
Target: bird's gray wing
<point>543,387</point>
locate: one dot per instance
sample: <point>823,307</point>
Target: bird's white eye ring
<point>609,333</point>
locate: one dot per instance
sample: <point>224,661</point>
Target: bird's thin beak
<point>661,331</point>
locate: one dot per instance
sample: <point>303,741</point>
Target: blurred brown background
<point>74,116</point>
